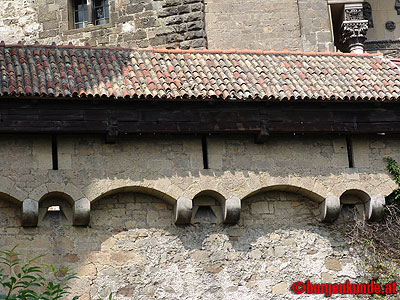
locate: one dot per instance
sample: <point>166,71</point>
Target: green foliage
<point>27,281</point>
<point>109,297</point>
<point>394,170</point>
<point>379,242</point>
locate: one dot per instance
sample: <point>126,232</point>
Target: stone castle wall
<point>242,24</point>
<point>172,167</point>
<point>273,24</point>
<point>132,23</point>
<point>133,249</point>
<point>132,246</point>
<point>382,12</point>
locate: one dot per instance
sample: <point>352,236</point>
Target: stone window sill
<point>89,28</point>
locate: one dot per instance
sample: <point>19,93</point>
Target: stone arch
<point>354,195</point>
<point>63,204</point>
<point>373,204</point>
<point>69,191</point>
<point>10,198</point>
<point>213,194</point>
<point>208,202</point>
<point>209,187</point>
<point>10,210</point>
<point>68,197</point>
<point>56,194</point>
<point>280,203</point>
<point>10,192</point>
<point>136,189</point>
<point>288,188</point>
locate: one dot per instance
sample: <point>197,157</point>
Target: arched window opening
<point>55,211</point>
<point>206,210</point>
<point>352,205</point>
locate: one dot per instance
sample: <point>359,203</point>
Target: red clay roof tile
<point>82,71</point>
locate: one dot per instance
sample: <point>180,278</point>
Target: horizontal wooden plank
<point>196,117</point>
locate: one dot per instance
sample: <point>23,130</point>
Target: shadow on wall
<point>133,248</point>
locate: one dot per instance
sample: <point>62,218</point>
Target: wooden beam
<point>261,119</point>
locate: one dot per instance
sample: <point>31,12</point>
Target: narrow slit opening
<point>54,152</point>
<point>205,152</point>
<point>350,156</point>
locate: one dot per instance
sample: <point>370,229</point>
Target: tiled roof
<point>72,71</point>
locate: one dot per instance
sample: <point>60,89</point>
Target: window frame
<point>91,14</point>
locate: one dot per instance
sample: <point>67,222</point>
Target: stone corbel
<point>374,208</point>
<point>183,211</point>
<point>81,212</point>
<point>231,209</point>
<point>30,213</point>
<point>330,209</point>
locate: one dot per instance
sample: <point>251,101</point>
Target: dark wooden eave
<point>120,117</point>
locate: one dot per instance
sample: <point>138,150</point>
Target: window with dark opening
<point>101,12</point>
<point>87,12</point>
<point>80,14</point>
<point>337,15</point>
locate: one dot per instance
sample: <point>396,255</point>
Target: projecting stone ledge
<point>330,209</point>
<point>231,209</point>
<point>30,212</point>
<point>81,213</point>
<point>183,211</point>
<point>374,208</point>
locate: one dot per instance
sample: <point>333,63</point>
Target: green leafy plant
<point>30,281</point>
<point>394,170</point>
<point>379,242</point>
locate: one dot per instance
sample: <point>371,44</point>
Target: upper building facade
<point>296,25</point>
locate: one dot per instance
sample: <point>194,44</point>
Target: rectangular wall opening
<point>205,151</point>
<point>54,152</point>
<point>350,156</point>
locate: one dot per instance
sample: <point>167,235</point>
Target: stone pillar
<point>81,212</point>
<point>231,209</point>
<point>374,208</point>
<point>354,27</point>
<point>330,209</point>
<point>183,211</point>
<point>30,212</point>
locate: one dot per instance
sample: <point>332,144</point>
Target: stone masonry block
<point>330,209</point>
<point>374,208</point>
<point>81,212</point>
<point>183,211</point>
<point>231,210</point>
<point>30,212</point>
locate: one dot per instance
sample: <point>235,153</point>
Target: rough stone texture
<point>134,250</point>
<point>268,24</point>
<point>171,168</point>
<point>132,23</point>
<point>133,247</point>
<point>315,25</point>
<point>252,24</point>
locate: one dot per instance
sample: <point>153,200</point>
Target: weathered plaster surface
<point>134,250</point>
<point>132,246</point>
<point>172,167</point>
